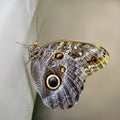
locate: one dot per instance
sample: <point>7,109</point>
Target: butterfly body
<point>60,68</point>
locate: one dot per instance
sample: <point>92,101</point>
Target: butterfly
<point>59,70</point>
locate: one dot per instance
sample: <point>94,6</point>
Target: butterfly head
<point>34,51</point>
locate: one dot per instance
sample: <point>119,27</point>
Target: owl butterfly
<point>60,68</point>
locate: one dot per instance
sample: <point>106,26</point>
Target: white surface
<point>16,101</point>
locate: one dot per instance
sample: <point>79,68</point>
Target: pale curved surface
<point>16,100</point>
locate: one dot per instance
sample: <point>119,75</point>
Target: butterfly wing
<point>61,69</point>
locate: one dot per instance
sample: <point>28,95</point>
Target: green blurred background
<point>96,21</point>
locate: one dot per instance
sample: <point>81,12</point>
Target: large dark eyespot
<point>53,82</point>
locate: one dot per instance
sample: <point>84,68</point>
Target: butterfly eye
<point>59,55</point>
<point>53,82</point>
<point>36,52</point>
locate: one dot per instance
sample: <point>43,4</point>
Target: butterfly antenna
<point>24,45</point>
<point>39,33</point>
